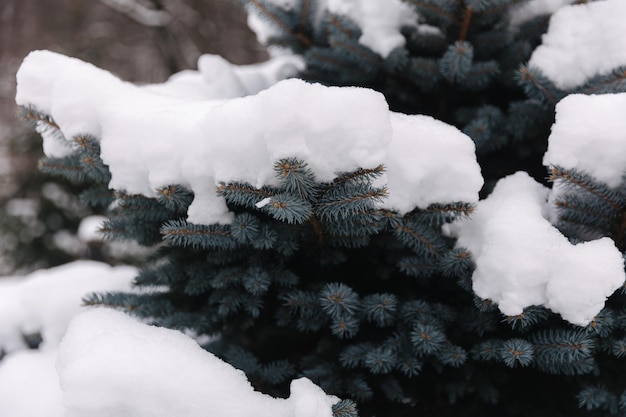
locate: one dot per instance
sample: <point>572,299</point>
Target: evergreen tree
<point>376,306</point>
<point>39,219</point>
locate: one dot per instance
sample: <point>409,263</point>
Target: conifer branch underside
<point>565,175</point>
<point>527,76</point>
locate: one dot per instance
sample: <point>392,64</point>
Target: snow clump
<point>583,41</point>
<point>150,140</point>
<point>589,135</point>
<point>522,260</point>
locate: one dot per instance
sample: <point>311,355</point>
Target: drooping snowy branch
<point>149,140</point>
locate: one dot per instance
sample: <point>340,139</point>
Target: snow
<point>150,140</point>
<point>589,135</point>
<point>582,41</point>
<point>111,365</point>
<point>45,301</point>
<point>29,385</point>
<point>522,260</point>
<point>89,228</point>
<point>217,78</point>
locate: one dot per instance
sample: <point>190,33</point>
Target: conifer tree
<point>313,278</point>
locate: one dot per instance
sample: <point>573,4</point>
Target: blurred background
<point>142,41</point>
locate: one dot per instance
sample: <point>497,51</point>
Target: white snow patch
<point>46,300</point>
<point>111,365</point>
<point>522,260</point>
<point>263,202</point>
<point>582,41</point>
<point>150,140</point>
<point>29,386</point>
<point>89,228</point>
<point>589,135</point>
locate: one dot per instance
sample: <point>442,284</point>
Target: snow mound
<point>582,41</point>
<point>111,365</point>
<point>150,140</point>
<point>522,260</point>
<point>589,135</point>
<point>45,301</point>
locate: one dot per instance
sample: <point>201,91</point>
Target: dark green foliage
<point>589,209</point>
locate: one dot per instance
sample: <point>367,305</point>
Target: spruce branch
<point>586,183</point>
<point>612,83</point>
<point>31,115</point>
<point>356,49</point>
<point>338,23</point>
<point>535,84</point>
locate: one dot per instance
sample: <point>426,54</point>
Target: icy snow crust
<point>522,260</point>
<point>150,140</point>
<point>582,41</point>
<point>110,365</point>
<point>589,135</point>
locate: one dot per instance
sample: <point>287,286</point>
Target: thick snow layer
<point>582,41</point>
<point>429,161</point>
<point>45,301</point>
<point>150,140</point>
<point>29,386</point>
<point>589,135</point>
<point>522,260</point>
<point>380,21</point>
<point>111,365</point>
